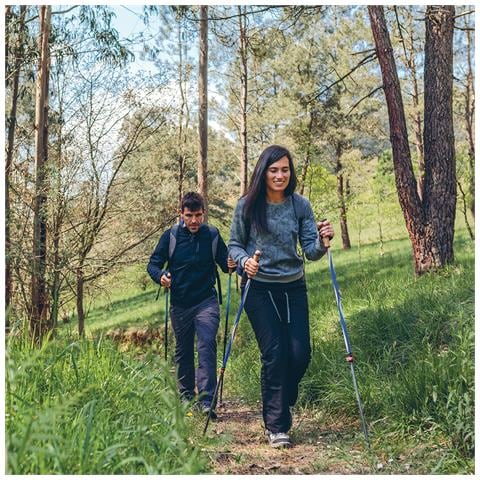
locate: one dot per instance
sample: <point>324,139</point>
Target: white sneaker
<point>278,440</point>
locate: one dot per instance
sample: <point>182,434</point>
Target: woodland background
<point>98,154</point>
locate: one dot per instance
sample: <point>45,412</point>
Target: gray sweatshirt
<point>280,261</point>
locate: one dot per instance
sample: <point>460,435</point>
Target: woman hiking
<point>270,217</point>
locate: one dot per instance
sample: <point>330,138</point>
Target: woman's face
<point>278,176</point>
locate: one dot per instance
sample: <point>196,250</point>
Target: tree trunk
<point>203,108</point>
<point>243,99</point>
<point>181,139</point>
<point>39,318</point>
<point>464,210</point>
<point>306,164</point>
<point>11,125</point>
<point>79,300</point>
<point>341,201</point>
<point>429,223</point>
<point>343,214</point>
<point>56,287</point>
<point>439,142</point>
<point>7,14</point>
<point>56,266</point>
<point>303,177</point>
<point>469,119</point>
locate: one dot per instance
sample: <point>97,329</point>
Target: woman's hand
<point>325,229</point>
<point>251,267</point>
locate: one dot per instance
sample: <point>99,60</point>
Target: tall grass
<point>81,407</point>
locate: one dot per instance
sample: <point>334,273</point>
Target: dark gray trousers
<point>201,320</point>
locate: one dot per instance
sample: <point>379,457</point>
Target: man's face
<point>192,219</point>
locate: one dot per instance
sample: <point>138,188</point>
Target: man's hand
<point>251,267</point>
<point>325,229</point>
<point>231,264</point>
<point>166,280</point>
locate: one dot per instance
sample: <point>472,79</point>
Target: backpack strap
<point>214,234</point>
<point>300,223</point>
<point>299,219</point>
<point>173,240</point>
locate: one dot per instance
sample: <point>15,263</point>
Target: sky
<point>128,24</point>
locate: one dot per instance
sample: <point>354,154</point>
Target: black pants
<point>278,313</point>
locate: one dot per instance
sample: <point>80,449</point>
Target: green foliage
<point>82,407</point>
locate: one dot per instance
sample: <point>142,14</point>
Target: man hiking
<point>191,250</point>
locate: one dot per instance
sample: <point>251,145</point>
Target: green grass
<point>82,407</point>
<point>129,301</point>
<point>85,407</point>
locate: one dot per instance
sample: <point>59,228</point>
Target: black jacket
<point>192,266</point>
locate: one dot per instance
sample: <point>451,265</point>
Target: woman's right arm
<point>238,237</point>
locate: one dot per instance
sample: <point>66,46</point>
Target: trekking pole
<point>165,340</point>
<point>349,358</point>
<point>256,257</point>
<point>226,325</point>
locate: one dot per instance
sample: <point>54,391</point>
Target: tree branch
<point>111,261</point>
<point>464,13</point>
<point>58,12</point>
<point>364,98</point>
<point>364,61</point>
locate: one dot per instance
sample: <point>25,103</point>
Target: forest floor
<point>320,445</point>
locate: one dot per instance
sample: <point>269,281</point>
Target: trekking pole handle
<point>256,257</point>
<point>167,275</point>
<point>325,240</point>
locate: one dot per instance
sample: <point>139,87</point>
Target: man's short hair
<point>193,201</point>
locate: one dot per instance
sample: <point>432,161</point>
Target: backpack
<point>214,233</point>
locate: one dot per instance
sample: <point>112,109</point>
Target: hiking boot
<point>206,409</point>
<point>278,440</point>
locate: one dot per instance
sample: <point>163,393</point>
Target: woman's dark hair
<point>255,208</point>
<point>193,201</point>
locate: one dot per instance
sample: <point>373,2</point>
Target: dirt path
<point>319,446</point>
